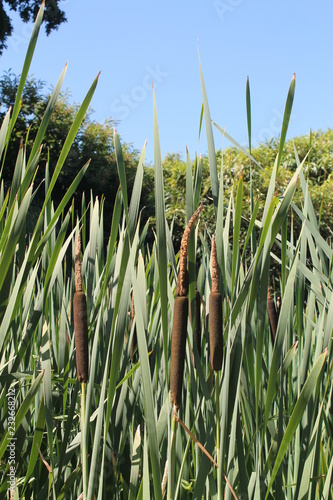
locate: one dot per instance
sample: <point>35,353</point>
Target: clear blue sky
<point>134,43</point>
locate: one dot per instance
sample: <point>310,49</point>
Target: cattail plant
<point>80,318</point>
<point>215,316</point>
<point>180,314</point>
<point>81,342</point>
<point>178,342</point>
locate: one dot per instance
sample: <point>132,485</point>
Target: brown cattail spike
<point>178,345</point>
<point>81,335</point>
<point>80,318</point>
<point>182,282</point>
<point>215,316</point>
<point>272,314</point>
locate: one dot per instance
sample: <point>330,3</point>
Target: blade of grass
<point>296,415</point>
<point>210,142</point>
<point>161,234</point>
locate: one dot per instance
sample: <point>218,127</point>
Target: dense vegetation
<point>249,414</point>
<point>95,141</point>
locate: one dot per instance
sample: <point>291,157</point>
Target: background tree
<point>53,16</point>
<point>94,141</point>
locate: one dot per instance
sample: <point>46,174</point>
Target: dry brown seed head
<point>81,335</point>
<point>182,282</point>
<point>77,263</point>
<point>215,270</point>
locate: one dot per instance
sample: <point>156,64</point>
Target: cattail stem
<point>84,448</point>
<point>172,468</point>
<point>217,403</point>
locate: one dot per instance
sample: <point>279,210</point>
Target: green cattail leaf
<point>69,139</point>
<point>46,117</point>
<point>215,330</point>
<point>236,234</point>
<point>136,193</point>
<point>296,415</point>
<point>197,180</point>
<point>237,145</point>
<point>248,111</point>
<point>280,335</point>
<point>25,69</point>
<point>286,119</point>
<point>147,385</point>
<point>161,224</point>
<point>16,180</point>
<point>39,242</point>
<point>135,465</point>
<point>37,440</point>
<point>3,133</point>
<point>22,411</point>
<point>7,254</point>
<point>251,227</point>
<point>121,171</point>
<point>197,322</point>
<point>210,142</point>
<point>328,481</point>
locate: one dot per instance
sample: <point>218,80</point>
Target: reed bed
<point>267,420</point>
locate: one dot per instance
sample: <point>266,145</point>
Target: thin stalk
<point>171,480</point>
<point>217,402</point>
<point>84,442</point>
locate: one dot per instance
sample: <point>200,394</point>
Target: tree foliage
<point>316,148</point>
<point>27,9</point>
<point>93,142</point>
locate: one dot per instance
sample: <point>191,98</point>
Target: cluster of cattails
<point>215,316</point>
<point>80,318</point>
<point>180,315</point>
